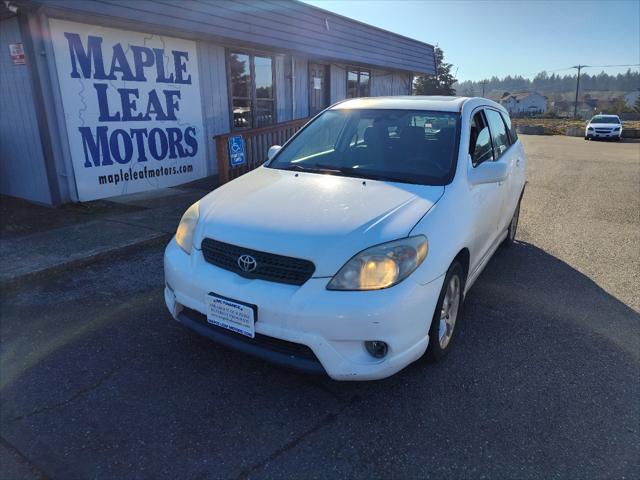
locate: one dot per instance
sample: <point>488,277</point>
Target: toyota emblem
<point>247,263</point>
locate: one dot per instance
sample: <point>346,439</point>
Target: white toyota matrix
<point>351,249</point>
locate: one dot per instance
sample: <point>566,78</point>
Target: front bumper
<point>308,327</point>
<point>594,134</point>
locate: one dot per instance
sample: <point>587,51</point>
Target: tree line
<point>445,83</point>
<point>545,83</point>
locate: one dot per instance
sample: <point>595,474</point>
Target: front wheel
<point>447,314</point>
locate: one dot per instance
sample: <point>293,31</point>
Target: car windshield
<point>605,119</point>
<point>408,146</point>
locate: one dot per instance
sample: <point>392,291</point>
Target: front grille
<point>269,266</point>
<point>290,349</point>
<point>603,130</point>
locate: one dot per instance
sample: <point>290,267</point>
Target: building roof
<point>277,25</point>
<point>518,95</point>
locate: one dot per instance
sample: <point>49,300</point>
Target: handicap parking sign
<point>236,151</point>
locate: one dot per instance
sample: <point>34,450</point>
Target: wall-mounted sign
<point>132,108</point>
<point>317,83</point>
<point>16,50</point>
<point>236,151</point>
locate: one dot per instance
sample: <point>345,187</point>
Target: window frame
<point>486,121</point>
<point>497,157</point>
<point>253,98</point>
<point>511,129</point>
<point>358,71</point>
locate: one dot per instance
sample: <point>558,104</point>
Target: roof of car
<point>413,102</point>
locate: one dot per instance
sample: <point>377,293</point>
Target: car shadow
<point>544,375</point>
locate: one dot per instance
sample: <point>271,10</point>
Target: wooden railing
<point>257,142</point>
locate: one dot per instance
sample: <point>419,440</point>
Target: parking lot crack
<point>23,459</point>
<point>80,393</point>
<point>326,420</point>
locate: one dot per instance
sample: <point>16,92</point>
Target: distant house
<point>631,98</point>
<point>524,103</point>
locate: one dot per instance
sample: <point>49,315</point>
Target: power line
<point>609,66</point>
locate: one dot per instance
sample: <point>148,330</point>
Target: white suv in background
<point>351,250</point>
<point>604,126</point>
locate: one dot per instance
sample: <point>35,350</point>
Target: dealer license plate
<point>239,317</point>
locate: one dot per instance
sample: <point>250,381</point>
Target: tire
<point>513,228</point>
<point>586,138</point>
<point>441,337</point>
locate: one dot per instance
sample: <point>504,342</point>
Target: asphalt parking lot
<point>97,381</point>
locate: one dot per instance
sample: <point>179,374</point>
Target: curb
<point>12,283</point>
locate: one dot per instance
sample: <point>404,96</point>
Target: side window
<point>498,133</point>
<point>513,135</point>
<point>480,147</point>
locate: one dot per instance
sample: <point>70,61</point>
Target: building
<point>103,98</point>
<point>524,103</point>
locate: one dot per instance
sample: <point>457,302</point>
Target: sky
<point>486,38</point>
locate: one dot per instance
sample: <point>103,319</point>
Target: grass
<point>558,126</point>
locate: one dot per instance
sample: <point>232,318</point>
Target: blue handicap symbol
<point>236,151</point>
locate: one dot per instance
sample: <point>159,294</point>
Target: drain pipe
<point>293,88</point>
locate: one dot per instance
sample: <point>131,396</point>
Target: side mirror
<point>272,151</point>
<point>487,172</point>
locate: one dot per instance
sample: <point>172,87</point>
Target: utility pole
<point>483,83</point>
<point>575,104</point>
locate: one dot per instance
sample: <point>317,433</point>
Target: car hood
<point>323,218</point>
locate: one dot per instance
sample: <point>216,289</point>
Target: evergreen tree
<point>439,84</point>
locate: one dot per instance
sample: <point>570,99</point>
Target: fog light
<point>376,348</point>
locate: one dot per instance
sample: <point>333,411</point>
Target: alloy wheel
<point>449,312</point>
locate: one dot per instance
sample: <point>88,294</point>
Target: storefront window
<point>358,83</point>
<point>252,98</point>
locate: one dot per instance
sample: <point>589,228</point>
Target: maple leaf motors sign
<point>132,108</point>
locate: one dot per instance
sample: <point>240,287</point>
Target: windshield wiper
<point>312,168</point>
<point>359,173</point>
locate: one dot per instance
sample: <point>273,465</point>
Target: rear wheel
<point>447,314</point>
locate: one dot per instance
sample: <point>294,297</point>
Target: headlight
<point>616,129</point>
<point>188,222</point>
<point>381,266</point>
<point>589,128</point>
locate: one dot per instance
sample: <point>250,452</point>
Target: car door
<point>486,198</point>
<point>503,153</point>
<point>518,168</point>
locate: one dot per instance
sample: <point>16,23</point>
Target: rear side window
<point>498,133</point>
<point>513,135</point>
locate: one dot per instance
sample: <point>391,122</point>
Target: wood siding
<point>338,86</point>
<point>22,169</point>
<point>283,25</point>
<point>212,71</point>
<point>302,88</point>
